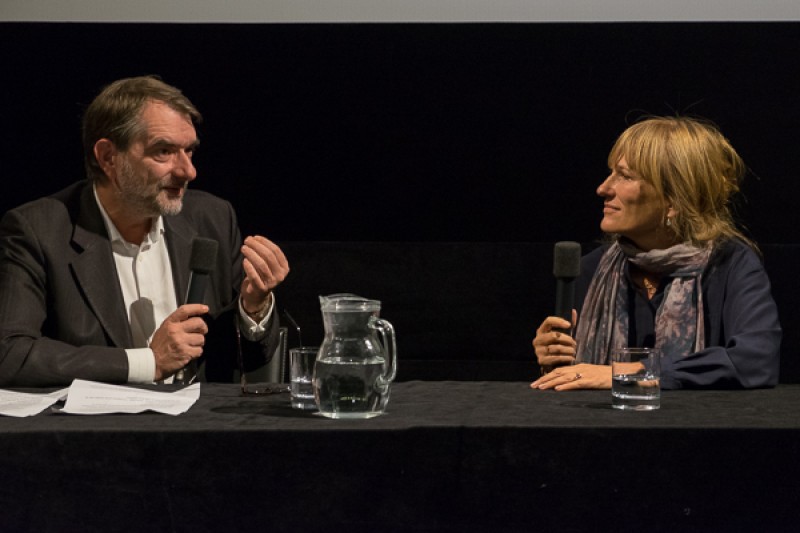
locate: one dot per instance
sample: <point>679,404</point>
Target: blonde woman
<point>678,274</point>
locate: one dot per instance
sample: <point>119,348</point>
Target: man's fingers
<point>267,249</point>
<point>187,311</point>
<point>253,275</point>
<point>266,256</point>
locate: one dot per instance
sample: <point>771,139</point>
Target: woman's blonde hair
<point>693,168</point>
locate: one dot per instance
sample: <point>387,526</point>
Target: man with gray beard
<point>93,278</point>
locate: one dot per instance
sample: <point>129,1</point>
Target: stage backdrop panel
<point>340,140</point>
<point>414,132</point>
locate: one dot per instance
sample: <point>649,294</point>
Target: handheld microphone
<point>566,267</point>
<point>201,265</point>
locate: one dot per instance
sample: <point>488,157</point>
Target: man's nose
<point>184,167</point>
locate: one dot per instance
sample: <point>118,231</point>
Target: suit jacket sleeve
<point>743,334</point>
<point>48,340</point>
<point>214,218</point>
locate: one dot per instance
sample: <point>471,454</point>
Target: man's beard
<point>143,197</point>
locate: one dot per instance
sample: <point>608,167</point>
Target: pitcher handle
<point>386,330</point>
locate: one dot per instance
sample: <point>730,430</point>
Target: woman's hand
<point>580,376</point>
<point>554,348</point>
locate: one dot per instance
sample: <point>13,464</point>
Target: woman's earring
<point>669,222</point>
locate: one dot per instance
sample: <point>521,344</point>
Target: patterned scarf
<point>679,329</point>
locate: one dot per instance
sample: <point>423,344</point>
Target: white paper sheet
<point>93,398</point>
<point>21,404</point>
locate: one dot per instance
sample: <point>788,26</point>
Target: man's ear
<point>105,152</point>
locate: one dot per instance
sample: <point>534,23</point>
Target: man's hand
<point>265,268</point>
<point>179,339</point>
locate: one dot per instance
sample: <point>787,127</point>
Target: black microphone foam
<point>567,259</point>
<point>201,264</point>
<point>566,267</point>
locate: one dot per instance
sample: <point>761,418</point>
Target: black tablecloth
<point>447,456</point>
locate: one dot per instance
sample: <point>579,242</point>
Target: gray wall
<point>259,11</point>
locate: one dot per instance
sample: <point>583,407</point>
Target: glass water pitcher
<point>357,359</point>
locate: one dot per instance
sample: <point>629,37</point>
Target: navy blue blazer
<point>743,334</point>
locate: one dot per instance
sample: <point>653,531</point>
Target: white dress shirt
<point>145,277</point>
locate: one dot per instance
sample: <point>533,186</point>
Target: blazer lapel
<point>96,272</point>
<point>179,235</point>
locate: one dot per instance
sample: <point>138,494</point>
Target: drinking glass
<point>635,379</point>
<point>302,362</point>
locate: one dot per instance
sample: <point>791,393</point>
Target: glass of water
<point>302,362</point>
<point>635,379</point>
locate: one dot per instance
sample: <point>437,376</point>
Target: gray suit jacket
<point>62,315</point>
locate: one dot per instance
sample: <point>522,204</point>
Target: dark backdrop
<point>453,132</point>
<point>489,137</point>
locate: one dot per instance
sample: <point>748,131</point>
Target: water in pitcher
<point>350,389</point>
